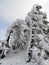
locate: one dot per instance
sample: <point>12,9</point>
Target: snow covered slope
<point>18,58</point>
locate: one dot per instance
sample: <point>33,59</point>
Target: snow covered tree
<point>17,34</point>
<point>39,34</point>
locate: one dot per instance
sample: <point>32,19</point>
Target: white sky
<point>10,10</point>
<point>13,9</point>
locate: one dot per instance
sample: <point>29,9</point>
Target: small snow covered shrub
<point>4,50</point>
<point>2,55</point>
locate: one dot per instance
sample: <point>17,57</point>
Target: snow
<point>15,59</point>
<point>19,58</point>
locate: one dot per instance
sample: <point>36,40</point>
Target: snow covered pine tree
<point>19,35</point>
<point>38,46</point>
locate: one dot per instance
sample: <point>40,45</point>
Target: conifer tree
<point>39,33</point>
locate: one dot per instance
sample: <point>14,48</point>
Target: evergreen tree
<point>39,33</point>
<point>19,35</point>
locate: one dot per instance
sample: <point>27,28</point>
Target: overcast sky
<point>10,10</point>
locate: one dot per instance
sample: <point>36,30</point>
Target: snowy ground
<point>18,58</point>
